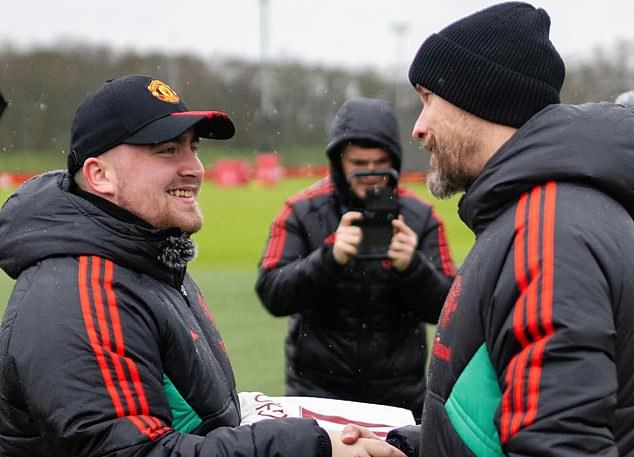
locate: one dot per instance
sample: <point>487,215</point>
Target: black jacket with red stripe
<point>355,332</point>
<point>534,354</point>
<point>107,346</point>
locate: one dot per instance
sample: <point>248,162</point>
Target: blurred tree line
<point>44,86</point>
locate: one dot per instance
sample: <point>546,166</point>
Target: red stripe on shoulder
<point>149,426</point>
<point>277,238</point>
<point>88,274</point>
<point>325,186</point>
<point>105,333</point>
<point>446,260</point>
<point>534,260</point>
<point>116,353</point>
<point>403,191</point>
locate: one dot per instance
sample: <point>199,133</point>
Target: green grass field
<point>229,247</point>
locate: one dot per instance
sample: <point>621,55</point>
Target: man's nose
<point>191,164</point>
<point>420,128</point>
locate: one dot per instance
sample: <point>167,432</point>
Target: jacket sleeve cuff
<point>406,439</point>
<point>412,268</point>
<point>325,446</point>
<point>329,263</point>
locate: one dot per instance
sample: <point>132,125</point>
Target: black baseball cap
<point>137,109</point>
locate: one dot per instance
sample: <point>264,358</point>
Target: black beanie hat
<point>497,63</point>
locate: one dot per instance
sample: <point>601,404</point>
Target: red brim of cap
<point>206,124</point>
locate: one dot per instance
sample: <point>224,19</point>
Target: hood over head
<point>590,144</point>
<point>362,119</point>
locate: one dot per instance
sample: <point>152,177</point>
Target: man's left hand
<point>403,245</point>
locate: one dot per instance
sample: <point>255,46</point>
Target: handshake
<point>351,426</point>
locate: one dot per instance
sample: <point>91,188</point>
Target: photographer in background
<point>357,325</point>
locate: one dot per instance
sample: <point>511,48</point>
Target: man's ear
<point>98,177</point>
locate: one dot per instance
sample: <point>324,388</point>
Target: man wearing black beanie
<point>533,354</point>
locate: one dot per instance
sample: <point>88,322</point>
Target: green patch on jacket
<point>184,417</point>
<point>472,404</point>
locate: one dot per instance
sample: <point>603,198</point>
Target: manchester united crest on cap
<point>163,92</point>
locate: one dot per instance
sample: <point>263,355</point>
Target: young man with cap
<point>107,346</point>
<point>534,353</point>
<point>357,324</point>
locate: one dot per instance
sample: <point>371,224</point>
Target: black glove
<point>406,439</point>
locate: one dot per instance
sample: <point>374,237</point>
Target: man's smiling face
<point>159,183</point>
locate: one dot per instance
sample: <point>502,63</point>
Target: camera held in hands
<point>380,208</point>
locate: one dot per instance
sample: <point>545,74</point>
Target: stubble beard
<point>160,214</point>
<point>193,223</point>
<point>188,222</point>
<point>450,165</point>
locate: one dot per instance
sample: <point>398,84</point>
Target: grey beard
<point>177,251</point>
<point>447,178</point>
<point>442,186</point>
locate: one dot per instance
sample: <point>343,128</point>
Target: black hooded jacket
<point>534,354</point>
<point>107,346</point>
<point>355,332</point>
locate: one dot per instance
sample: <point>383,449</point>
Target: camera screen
<point>379,197</point>
<point>381,207</point>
